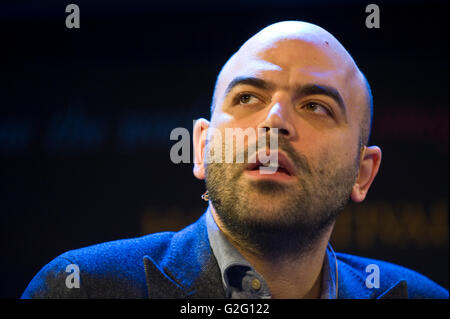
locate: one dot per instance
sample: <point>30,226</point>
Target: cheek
<point>220,120</point>
<point>238,119</point>
<point>339,156</point>
<point>343,143</point>
<point>330,152</point>
<point>349,147</point>
<point>232,130</point>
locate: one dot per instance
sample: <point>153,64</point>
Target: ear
<point>368,168</point>
<point>200,134</point>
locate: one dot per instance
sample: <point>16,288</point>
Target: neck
<point>292,276</point>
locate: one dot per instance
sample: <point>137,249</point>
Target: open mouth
<point>268,168</point>
<point>281,166</point>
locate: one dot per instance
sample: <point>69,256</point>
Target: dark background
<point>85,118</point>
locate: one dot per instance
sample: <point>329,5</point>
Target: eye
<point>316,108</point>
<point>247,98</point>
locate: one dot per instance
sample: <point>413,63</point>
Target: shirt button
<point>256,284</point>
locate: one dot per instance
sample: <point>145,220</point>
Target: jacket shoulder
<point>391,274</point>
<point>108,270</point>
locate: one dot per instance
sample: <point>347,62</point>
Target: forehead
<point>290,53</point>
<point>289,60</point>
<point>293,62</point>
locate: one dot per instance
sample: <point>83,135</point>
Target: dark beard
<point>307,213</point>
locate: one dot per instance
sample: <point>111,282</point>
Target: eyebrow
<point>300,90</point>
<point>252,81</point>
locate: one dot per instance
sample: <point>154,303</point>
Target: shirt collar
<point>228,256</point>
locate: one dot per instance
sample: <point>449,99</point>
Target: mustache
<point>299,160</point>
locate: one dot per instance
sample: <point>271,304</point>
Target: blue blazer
<point>182,265</point>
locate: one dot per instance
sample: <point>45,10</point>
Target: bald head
<point>314,48</point>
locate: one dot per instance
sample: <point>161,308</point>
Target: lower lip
<point>277,176</point>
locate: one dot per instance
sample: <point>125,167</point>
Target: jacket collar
<point>188,269</point>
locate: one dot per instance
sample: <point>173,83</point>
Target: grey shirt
<point>240,280</point>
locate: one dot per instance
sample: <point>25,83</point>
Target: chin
<point>271,195</point>
<point>265,209</point>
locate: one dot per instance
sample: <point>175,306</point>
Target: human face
<point>305,91</point>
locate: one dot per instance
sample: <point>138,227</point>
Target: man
<point>264,235</point>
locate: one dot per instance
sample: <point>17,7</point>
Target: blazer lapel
<point>397,291</point>
<point>159,284</point>
<point>188,269</point>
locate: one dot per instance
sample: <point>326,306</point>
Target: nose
<point>279,117</point>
